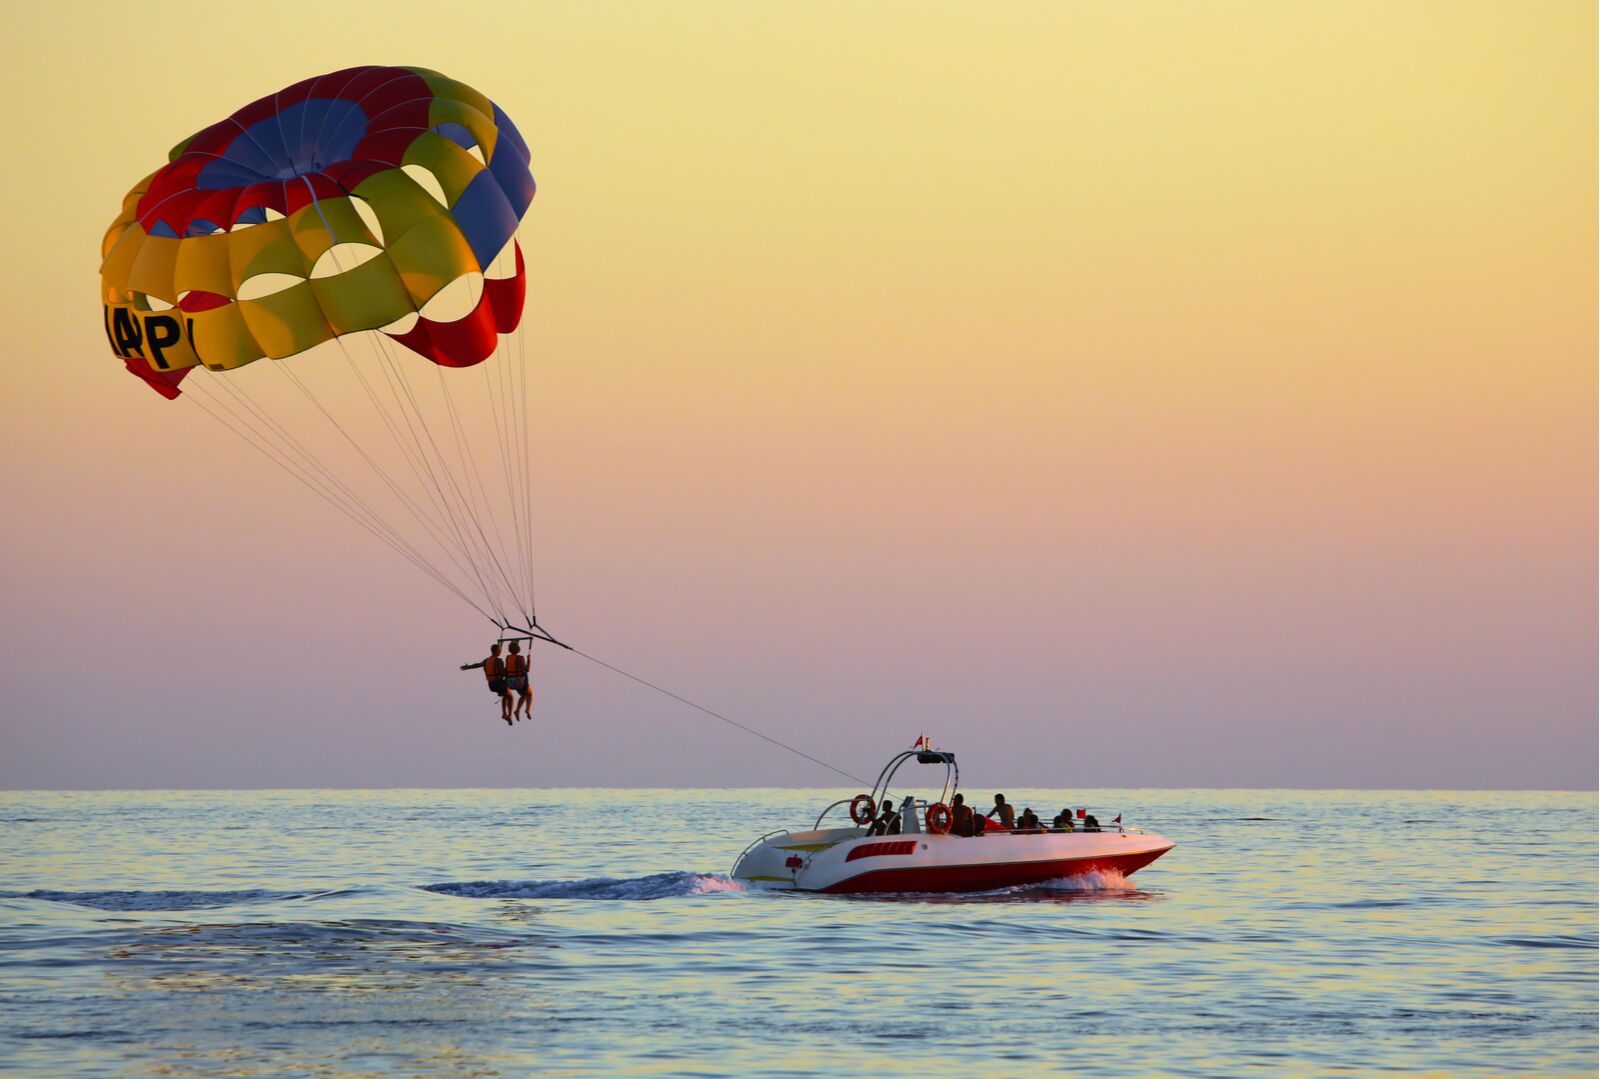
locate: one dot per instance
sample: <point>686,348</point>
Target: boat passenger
<point>1029,821</point>
<point>960,816</point>
<point>1063,822</point>
<point>494,670</point>
<point>880,823</point>
<point>1090,824</point>
<point>1008,816</point>
<point>893,816</point>
<point>517,682</point>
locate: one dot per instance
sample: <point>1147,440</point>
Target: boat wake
<point>656,886</point>
<point>1106,884</point>
<point>1104,880</point>
<point>167,900</point>
<point>1103,884</point>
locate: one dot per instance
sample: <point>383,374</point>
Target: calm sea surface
<point>488,933</point>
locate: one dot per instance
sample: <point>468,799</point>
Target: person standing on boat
<point>1008,816</point>
<point>494,670</point>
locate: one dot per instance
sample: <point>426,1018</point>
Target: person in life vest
<point>517,682</point>
<point>494,670</point>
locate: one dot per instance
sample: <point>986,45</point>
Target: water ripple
<point>157,900</point>
<point>499,933</point>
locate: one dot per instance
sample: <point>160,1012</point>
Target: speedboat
<point>925,856</point>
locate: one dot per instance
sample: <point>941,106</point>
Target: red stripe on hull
<point>878,850</point>
<point>985,878</point>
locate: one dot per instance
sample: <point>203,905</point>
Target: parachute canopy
<point>358,209</point>
<point>339,204</point>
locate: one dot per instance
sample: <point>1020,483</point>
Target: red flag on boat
<point>1117,819</point>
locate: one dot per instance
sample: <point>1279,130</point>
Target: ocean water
<point>489,933</point>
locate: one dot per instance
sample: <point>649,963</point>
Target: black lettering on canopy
<point>126,337</point>
<point>164,331</point>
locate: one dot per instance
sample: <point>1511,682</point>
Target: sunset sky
<point>1124,394</point>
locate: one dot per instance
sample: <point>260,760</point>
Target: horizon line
<point>751,787</point>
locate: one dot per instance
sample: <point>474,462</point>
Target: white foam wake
<point>1103,880</point>
<point>657,886</point>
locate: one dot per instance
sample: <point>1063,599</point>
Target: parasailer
<point>517,666</point>
<point>494,673</point>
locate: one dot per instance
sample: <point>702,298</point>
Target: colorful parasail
<point>343,209</point>
<point>278,187</point>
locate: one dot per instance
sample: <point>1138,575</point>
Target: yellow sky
<point>1186,340</point>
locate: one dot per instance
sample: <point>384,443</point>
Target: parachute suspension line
<point>509,431</point>
<point>527,462</point>
<point>518,448</point>
<point>518,558</point>
<point>427,470</point>
<point>465,504</point>
<point>516,433</point>
<point>375,522</point>
<point>469,463</point>
<point>714,715</point>
<point>503,357</point>
<point>392,364</point>
<point>389,423</point>
<point>437,466</point>
<point>289,442</point>
<point>431,477</point>
<point>500,407</point>
<point>378,469</point>
<point>502,446</point>
<point>304,468</point>
<point>291,446</point>
<point>474,508</point>
<point>436,493</point>
<point>430,469</point>
<point>400,546</point>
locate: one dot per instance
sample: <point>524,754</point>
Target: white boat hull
<point>847,860</point>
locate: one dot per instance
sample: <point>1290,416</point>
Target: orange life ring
<point>863,809</point>
<point>938,818</point>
